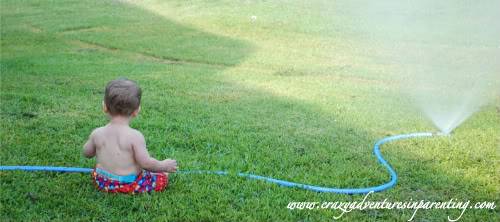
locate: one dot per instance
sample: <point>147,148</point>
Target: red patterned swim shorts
<point>144,182</point>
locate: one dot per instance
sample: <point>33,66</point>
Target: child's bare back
<point>120,151</point>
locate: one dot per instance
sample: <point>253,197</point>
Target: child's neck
<point>120,120</point>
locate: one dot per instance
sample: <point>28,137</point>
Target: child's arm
<point>89,147</point>
<point>147,162</point>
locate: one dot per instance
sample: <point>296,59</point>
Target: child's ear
<point>104,107</point>
<point>136,112</point>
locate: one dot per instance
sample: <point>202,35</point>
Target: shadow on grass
<point>189,112</point>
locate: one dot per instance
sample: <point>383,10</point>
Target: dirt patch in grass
<point>28,115</point>
<point>297,72</point>
<point>85,29</point>
<point>34,29</point>
<point>336,73</point>
<point>86,46</point>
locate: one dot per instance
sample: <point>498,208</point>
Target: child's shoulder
<point>97,131</point>
<point>134,134</point>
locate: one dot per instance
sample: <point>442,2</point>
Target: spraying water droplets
<point>445,53</point>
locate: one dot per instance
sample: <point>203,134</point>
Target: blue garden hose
<point>376,151</point>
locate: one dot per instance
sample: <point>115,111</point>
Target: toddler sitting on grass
<point>123,162</point>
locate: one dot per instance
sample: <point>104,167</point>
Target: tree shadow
<point>190,112</point>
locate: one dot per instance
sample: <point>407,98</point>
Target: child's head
<point>122,97</point>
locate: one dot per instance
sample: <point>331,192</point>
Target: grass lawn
<point>296,94</point>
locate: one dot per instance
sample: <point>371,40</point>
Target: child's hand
<point>170,165</point>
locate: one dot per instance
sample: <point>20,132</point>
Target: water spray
<point>363,190</point>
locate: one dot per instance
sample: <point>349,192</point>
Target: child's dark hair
<point>122,97</point>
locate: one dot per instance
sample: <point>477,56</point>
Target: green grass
<point>292,95</point>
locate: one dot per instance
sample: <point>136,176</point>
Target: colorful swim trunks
<point>144,182</point>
